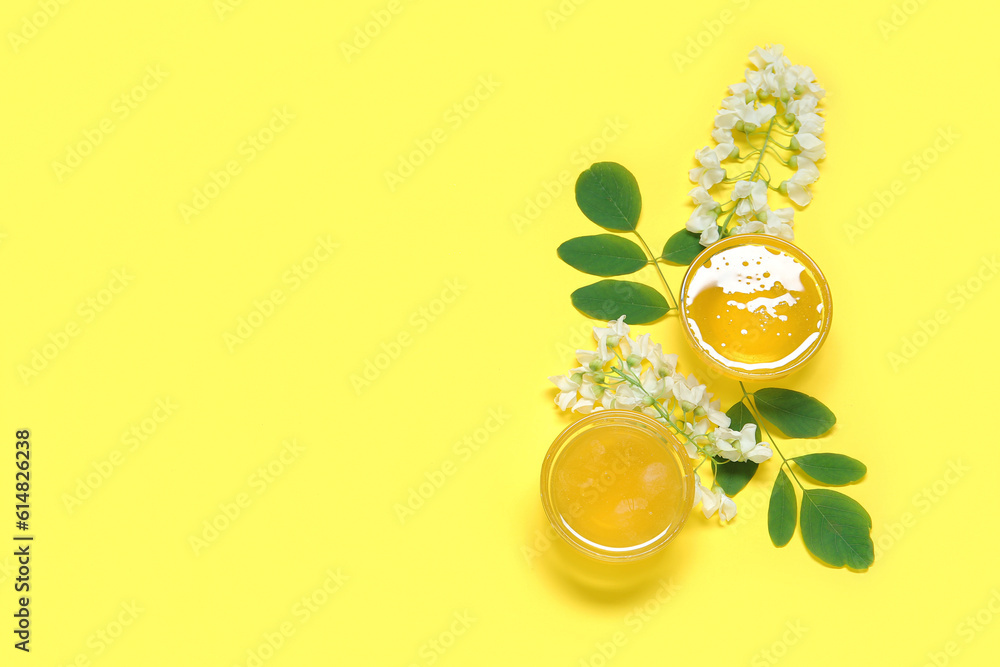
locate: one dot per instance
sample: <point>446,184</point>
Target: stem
<point>760,420</point>
<point>655,264</point>
<point>756,168</point>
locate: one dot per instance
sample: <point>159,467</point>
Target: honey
<point>618,486</point>
<point>755,306</point>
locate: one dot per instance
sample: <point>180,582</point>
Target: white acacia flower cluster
<point>634,374</point>
<point>752,109</point>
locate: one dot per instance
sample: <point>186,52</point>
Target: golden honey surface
<point>754,308</point>
<point>617,487</point>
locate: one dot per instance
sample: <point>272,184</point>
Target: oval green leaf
<point>837,529</point>
<point>603,255</point>
<point>797,415</point>
<point>610,299</point>
<point>682,248</point>
<point>733,476</point>
<point>835,469</point>
<point>608,194</point>
<point>781,511</point>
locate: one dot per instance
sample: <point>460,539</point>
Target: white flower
<point>634,351</point>
<point>702,197</point>
<point>710,172</point>
<point>594,360</point>
<point>615,330</point>
<point>751,196</point>
<point>567,390</point>
<point>736,108</point>
<point>702,218</point>
<point>714,500</point>
<point>771,55</point>
<point>812,123</point>
<point>810,147</point>
<point>709,236</point>
<point>689,393</point>
<point>806,174</point>
<point>779,223</point>
<point>664,365</point>
<point>627,398</point>
<point>714,414</point>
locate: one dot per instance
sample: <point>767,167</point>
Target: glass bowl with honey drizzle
<point>755,307</point>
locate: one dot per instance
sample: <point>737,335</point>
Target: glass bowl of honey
<point>617,485</point>
<point>755,307</point>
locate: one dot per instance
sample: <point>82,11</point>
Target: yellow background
<point>498,321</point>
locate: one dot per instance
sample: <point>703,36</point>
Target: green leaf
<point>682,248</point>
<point>732,476</point>
<point>835,469</point>
<point>610,299</point>
<point>837,529</point>
<point>603,255</point>
<point>797,415</point>
<point>781,511</point>
<point>608,194</point>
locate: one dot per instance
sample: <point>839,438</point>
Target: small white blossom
<point>710,172</point>
<point>713,501</point>
<point>796,186</point>
<point>751,196</point>
<point>810,147</point>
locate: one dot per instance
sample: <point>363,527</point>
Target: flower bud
<point>598,391</point>
<point>799,89</point>
<point>750,127</point>
<point>739,126</point>
<point>687,406</point>
<point>576,377</point>
<point>785,96</point>
<point>749,97</point>
<point>598,377</point>
<point>798,124</point>
<point>612,341</point>
<point>595,365</point>
<point>699,412</point>
<point>634,360</point>
<point>789,117</point>
<point>735,153</point>
<point>783,188</point>
<point>647,401</point>
<point>793,162</point>
<point>794,144</point>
